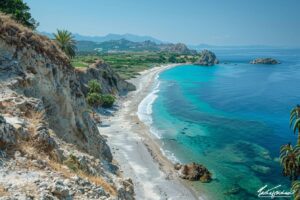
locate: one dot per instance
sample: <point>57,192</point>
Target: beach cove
<point>137,151</point>
<point>181,110</point>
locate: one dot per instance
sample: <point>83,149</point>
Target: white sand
<point>136,150</point>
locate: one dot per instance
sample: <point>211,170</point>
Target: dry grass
<point>16,34</point>
<point>3,192</point>
<point>97,180</point>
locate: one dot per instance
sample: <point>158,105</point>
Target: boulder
<point>7,133</point>
<point>265,61</point>
<point>59,189</point>
<point>207,58</point>
<point>193,172</point>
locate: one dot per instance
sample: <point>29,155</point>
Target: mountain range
<point>111,36</point>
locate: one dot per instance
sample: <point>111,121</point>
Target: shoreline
<point>136,150</point>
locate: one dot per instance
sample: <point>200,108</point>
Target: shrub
<point>72,163</point>
<point>19,11</point>
<point>94,99</point>
<point>94,86</point>
<point>107,100</point>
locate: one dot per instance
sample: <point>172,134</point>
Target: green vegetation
<point>19,11</point>
<point>128,65</point>
<point>72,163</point>
<point>83,61</point>
<point>94,86</point>
<point>290,156</point>
<point>66,42</point>
<point>295,121</point>
<point>107,100</point>
<point>95,98</point>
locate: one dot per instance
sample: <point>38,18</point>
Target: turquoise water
<point>232,118</point>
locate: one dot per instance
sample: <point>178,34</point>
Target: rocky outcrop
<point>265,61</point>
<point>27,73</point>
<point>193,172</point>
<point>7,133</point>
<point>178,48</point>
<point>109,80</point>
<point>207,58</point>
<point>44,121</point>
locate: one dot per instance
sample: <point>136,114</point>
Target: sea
<point>232,118</point>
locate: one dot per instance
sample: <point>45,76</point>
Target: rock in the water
<point>207,58</point>
<point>260,169</point>
<point>268,61</point>
<point>193,172</point>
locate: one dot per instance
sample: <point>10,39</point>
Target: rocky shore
<point>207,58</point>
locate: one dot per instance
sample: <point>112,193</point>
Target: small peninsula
<point>207,58</point>
<point>266,61</point>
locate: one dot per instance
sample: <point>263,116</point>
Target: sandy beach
<point>137,151</point>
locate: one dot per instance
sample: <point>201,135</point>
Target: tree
<point>66,42</point>
<point>295,121</point>
<point>107,100</point>
<point>172,59</point>
<point>19,11</point>
<point>289,158</point>
<point>296,189</point>
<point>94,99</point>
<point>94,86</point>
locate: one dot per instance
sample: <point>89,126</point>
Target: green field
<point>128,65</point>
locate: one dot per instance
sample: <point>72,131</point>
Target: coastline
<point>136,150</point>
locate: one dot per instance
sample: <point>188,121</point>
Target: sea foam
<point>145,115</point>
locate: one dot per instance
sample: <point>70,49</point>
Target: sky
<point>215,22</point>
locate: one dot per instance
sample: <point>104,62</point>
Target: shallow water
<point>232,118</point>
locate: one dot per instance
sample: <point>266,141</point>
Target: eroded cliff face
<point>109,80</point>
<point>46,132</point>
<point>28,74</point>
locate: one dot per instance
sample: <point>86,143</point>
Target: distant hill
<point>108,37</point>
<point>124,45</point>
<point>207,46</point>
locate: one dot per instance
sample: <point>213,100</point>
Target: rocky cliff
<point>178,48</point>
<point>207,58</point>
<point>109,80</point>
<point>48,141</point>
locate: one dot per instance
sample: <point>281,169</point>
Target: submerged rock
<point>233,191</point>
<point>260,169</point>
<point>207,58</point>
<point>193,172</point>
<point>268,61</point>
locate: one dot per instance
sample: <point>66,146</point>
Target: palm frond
<point>296,125</point>
<point>66,42</point>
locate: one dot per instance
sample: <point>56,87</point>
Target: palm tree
<point>295,121</point>
<point>296,189</point>
<point>66,42</point>
<point>289,158</point>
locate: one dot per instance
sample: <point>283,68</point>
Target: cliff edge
<point>50,148</point>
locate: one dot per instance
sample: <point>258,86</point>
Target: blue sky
<point>217,22</point>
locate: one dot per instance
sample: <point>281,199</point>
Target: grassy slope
<point>128,65</point>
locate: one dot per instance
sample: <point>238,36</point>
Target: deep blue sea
<point>232,117</point>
